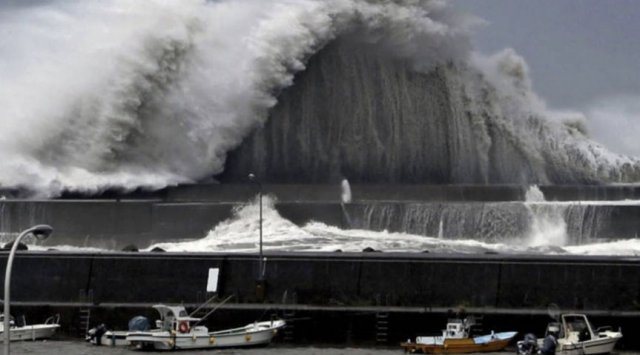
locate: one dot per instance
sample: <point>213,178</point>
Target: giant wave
<point>124,94</point>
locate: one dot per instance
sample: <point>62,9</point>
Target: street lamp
<point>253,178</point>
<point>41,232</point>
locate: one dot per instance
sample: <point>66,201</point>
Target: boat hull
<point>240,337</point>
<point>455,346</point>
<point>589,347</point>
<point>31,332</point>
<point>112,338</point>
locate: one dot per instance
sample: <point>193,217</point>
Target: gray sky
<point>579,51</point>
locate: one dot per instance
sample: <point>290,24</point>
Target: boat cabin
<point>174,318</point>
<point>455,329</point>
<point>458,328</point>
<point>576,328</point>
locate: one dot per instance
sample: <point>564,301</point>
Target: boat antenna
<point>213,310</point>
<point>202,305</point>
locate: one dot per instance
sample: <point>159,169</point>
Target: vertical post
<point>261,269</point>
<point>40,232</point>
<point>260,283</point>
<point>261,277</point>
<point>7,293</point>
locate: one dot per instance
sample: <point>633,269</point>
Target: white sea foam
<point>131,94</point>
<point>126,94</point>
<point>241,234</point>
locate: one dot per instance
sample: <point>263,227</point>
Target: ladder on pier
<point>288,331</point>
<point>84,321</point>
<point>382,327</point>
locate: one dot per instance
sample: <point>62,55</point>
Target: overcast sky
<point>578,50</point>
<point>583,55</point>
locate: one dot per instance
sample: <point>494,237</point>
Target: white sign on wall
<point>212,281</point>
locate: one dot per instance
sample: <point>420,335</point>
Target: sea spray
<point>123,95</point>
<point>548,226</point>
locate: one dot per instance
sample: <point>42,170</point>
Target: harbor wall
<point>347,279</point>
<point>375,298</point>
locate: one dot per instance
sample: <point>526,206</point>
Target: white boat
<point>576,336</point>
<point>30,332</point>
<point>177,330</point>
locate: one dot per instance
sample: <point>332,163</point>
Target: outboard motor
<point>528,345</point>
<point>550,341</point>
<point>139,323</point>
<point>95,334</point>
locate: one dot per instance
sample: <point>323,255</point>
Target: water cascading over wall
<point>358,112</point>
<point>503,222</point>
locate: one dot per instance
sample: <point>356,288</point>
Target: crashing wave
<point>126,94</point>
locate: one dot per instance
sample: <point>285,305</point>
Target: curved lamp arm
<point>41,232</point>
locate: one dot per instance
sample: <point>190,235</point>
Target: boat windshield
<point>575,324</point>
<point>579,325</point>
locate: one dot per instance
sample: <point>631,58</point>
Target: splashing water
<point>548,225</point>
<point>534,194</point>
<point>127,94</point>
<point>240,234</point>
<point>346,191</point>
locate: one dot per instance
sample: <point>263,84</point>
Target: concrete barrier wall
<point>360,192</point>
<point>107,224</point>
<point>38,278</point>
<point>333,279</point>
<point>392,192</point>
<point>577,284</point>
<point>187,220</point>
<point>243,191</point>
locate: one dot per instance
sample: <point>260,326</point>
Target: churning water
<point>124,94</point>
<point>529,227</point>
<point>128,94</point>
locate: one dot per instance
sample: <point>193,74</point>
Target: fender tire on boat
<point>183,327</point>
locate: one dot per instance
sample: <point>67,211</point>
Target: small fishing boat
<point>456,339</point>
<point>30,332</point>
<point>574,335</point>
<point>177,330</point>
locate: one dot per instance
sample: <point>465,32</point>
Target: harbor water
<point>77,347</point>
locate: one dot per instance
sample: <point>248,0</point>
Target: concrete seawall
<point>113,224</point>
<point>348,279</point>
<point>345,294</point>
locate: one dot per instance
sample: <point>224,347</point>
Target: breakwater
<point>486,213</point>
<point>349,279</point>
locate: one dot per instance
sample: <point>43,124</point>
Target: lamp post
<point>253,178</point>
<point>41,232</point>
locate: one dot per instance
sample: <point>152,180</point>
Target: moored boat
<point>574,335</point>
<point>456,339</point>
<point>177,330</point>
<point>30,332</point>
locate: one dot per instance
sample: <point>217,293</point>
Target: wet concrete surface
<point>78,347</point>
